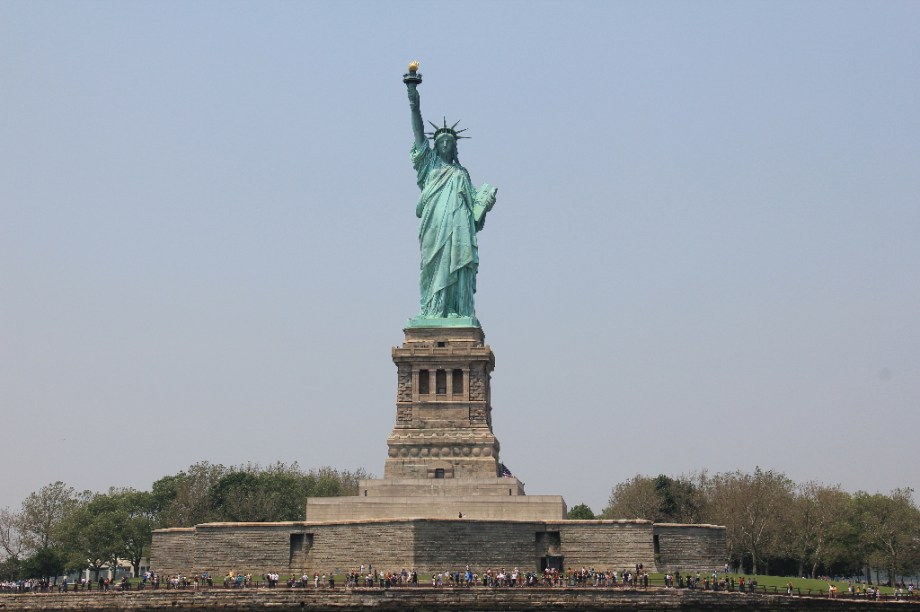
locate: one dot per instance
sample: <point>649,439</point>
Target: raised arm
<point>418,128</point>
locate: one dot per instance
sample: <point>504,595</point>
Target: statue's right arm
<point>418,128</point>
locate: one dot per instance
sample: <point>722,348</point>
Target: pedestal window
<point>423,382</point>
<point>457,382</point>
<point>440,383</point>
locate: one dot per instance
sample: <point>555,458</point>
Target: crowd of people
<point>367,576</point>
<point>370,577</point>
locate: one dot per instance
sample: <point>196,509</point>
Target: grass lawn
<point>779,583</point>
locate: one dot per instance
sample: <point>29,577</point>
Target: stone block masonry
<point>681,547</point>
<point>433,545</point>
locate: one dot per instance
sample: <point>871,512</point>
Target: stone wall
<point>442,545</point>
<point>173,550</point>
<point>433,545</point>
<point>492,507</point>
<point>683,547</point>
<point>611,545</point>
<point>344,546</point>
<point>244,547</point>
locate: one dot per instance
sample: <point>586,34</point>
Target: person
<point>451,211</point>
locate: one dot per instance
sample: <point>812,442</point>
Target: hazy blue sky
<point>705,252</point>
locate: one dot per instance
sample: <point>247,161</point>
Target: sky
<point>705,252</point>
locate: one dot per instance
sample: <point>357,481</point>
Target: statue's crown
<point>445,131</point>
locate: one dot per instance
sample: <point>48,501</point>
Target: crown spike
<point>444,129</point>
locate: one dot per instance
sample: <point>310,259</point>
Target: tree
<point>680,500</point>
<point>890,527</point>
<point>818,526</point>
<point>661,499</point>
<point>240,496</point>
<point>10,569</point>
<point>278,492</point>
<point>184,500</point>
<point>106,528</point>
<point>41,513</point>
<point>12,543</point>
<point>140,513</point>
<point>636,498</point>
<point>47,562</point>
<point>581,512</point>
<point>754,509</point>
<point>90,534</point>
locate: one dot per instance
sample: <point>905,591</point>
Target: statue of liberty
<point>451,211</point>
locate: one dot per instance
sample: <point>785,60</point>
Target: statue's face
<point>447,148</point>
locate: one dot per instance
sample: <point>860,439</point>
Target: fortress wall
<point>690,547</point>
<point>434,545</point>
<point>254,548</point>
<point>613,545</point>
<point>442,545</point>
<point>173,550</point>
<point>383,544</point>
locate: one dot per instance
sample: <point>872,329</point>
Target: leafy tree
<point>636,498</point>
<point>184,500</point>
<point>57,526</point>
<point>581,512</point>
<point>46,562</point>
<point>279,492</point>
<point>10,568</point>
<point>890,528</point>
<point>754,509</point>
<point>41,512</point>
<point>661,499</point>
<point>139,514</point>
<point>681,500</point>
<point>818,527</point>
<point>12,544</point>
<point>89,533</point>
<point>276,493</point>
<point>240,496</point>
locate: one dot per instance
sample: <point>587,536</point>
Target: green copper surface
<point>451,212</point>
<point>421,321</point>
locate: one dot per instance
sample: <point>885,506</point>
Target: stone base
<point>432,487</point>
<point>434,545</point>
<point>441,498</point>
<point>514,507</point>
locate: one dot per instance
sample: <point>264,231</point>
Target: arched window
<point>439,473</point>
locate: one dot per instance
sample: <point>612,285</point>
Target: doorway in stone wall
<point>553,562</point>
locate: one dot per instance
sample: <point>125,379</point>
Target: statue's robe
<point>451,212</point>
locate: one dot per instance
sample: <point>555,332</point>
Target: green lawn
<point>779,582</point>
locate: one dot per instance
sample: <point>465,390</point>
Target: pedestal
<point>442,457</point>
